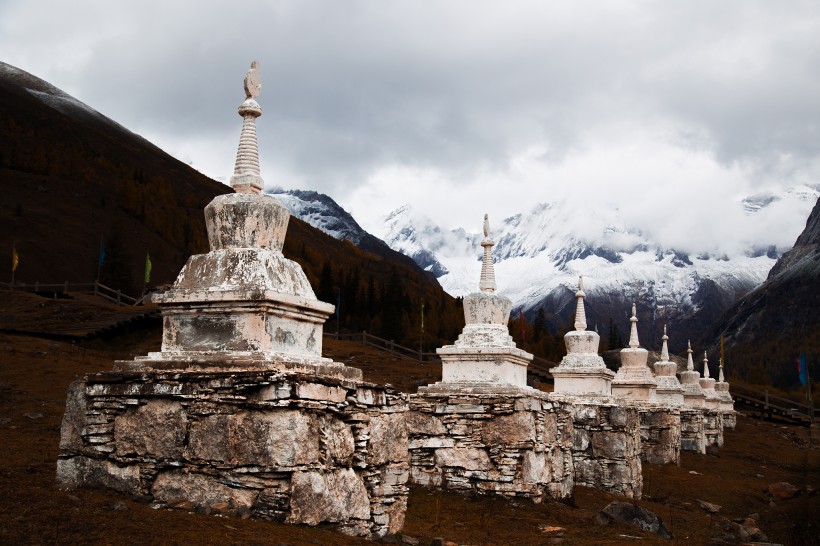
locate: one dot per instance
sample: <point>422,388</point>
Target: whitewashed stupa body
<point>243,304</point>
<point>726,403</point>
<point>582,370</point>
<point>711,398</point>
<point>669,389</point>
<point>690,381</point>
<point>484,355</point>
<point>634,380</point>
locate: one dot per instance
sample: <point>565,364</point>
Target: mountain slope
<point>768,328</point>
<point>538,257</point>
<point>71,178</point>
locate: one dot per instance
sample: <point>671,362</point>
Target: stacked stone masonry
<point>660,433</point>
<point>713,427</point>
<point>692,433</point>
<point>276,445</point>
<point>512,444</point>
<point>606,445</point>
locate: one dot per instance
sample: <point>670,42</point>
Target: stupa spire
<point>705,366</point>
<point>720,373</point>
<point>487,282</point>
<point>246,176</point>
<point>690,364</point>
<point>633,332</point>
<point>580,314</point>
<point>664,347</point>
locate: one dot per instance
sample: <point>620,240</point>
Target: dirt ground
<point>35,373</point>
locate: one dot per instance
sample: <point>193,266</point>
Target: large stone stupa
<point>484,355</point>
<point>669,389</point>
<point>634,379</point>
<point>582,370</point>
<point>243,304</point>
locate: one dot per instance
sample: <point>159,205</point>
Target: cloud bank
<point>670,112</point>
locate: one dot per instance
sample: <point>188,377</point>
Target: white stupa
<point>669,390</point>
<point>582,370</point>
<point>692,392</point>
<point>634,379</point>
<point>726,404</point>
<point>484,355</point>
<point>708,386</point>
<point>243,305</point>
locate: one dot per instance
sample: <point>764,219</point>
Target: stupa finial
<point>690,364</point>
<point>487,281</point>
<point>580,314</point>
<point>246,176</point>
<point>705,366</point>
<point>664,347</point>
<point>633,332</point>
<point>720,373</point>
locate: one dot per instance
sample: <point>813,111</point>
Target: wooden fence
<point>769,405</point>
<point>95,288</point>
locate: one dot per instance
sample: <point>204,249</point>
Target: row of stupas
<point>583,372</point>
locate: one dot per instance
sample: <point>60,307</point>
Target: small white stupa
<point>726,404</point>
<point>669,390</point>
<point>582,371</point>
<point>708,386</point>
<point>484,355</point>
<point>634,379</point>
<point>692,392</point>
<point>243,305</point>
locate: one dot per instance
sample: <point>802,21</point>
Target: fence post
<point>119,295</point>
<point>766,401</point>
<point>36,286</point>
<point>364,337</point>
<point>66,287</point>
<point>392,348</point>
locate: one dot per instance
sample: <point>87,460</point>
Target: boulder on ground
<point>632,514</point>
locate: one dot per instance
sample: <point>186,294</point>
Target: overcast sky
<point>670,111</point>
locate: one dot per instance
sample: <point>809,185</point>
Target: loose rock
<point>632,514</point>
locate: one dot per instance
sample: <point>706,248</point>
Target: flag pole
<point>13,262</point>
<point>421,334</point>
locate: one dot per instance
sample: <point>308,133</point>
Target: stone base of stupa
<point>490,439</point>
<point>692,433</point>
<point>634,391</point>
<point>582,380</point>
<point>266,443</point>
<point>670,396</point>
<point>729,416</point>
<point>490,365</point>
<point>606,443</point>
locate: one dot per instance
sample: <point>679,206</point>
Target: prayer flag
<point>15,259</point>
<point>802,370</point>
<point>147,268</point>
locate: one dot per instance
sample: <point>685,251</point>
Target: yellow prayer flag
<point>15,259</point>
<point>147,268</point>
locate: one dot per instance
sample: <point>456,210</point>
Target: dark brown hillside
<point>70,177</point>
<point>767,329</point>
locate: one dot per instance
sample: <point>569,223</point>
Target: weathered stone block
<point>330,497</point>
<point>535,468</point>
<point>76,471</point>
<point>509,429</point>
<point>74,418</point>
<point>388,439</point>
<point>424,423</point>
<point>200,490</point>
<point>156,429</point>
<point>336,440</point>
<point>463,457</point>
<point>317,391</point>
<point>609,445</point>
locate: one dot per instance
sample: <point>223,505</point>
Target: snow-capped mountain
<point>538,259</point>
<point>325,214</point>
